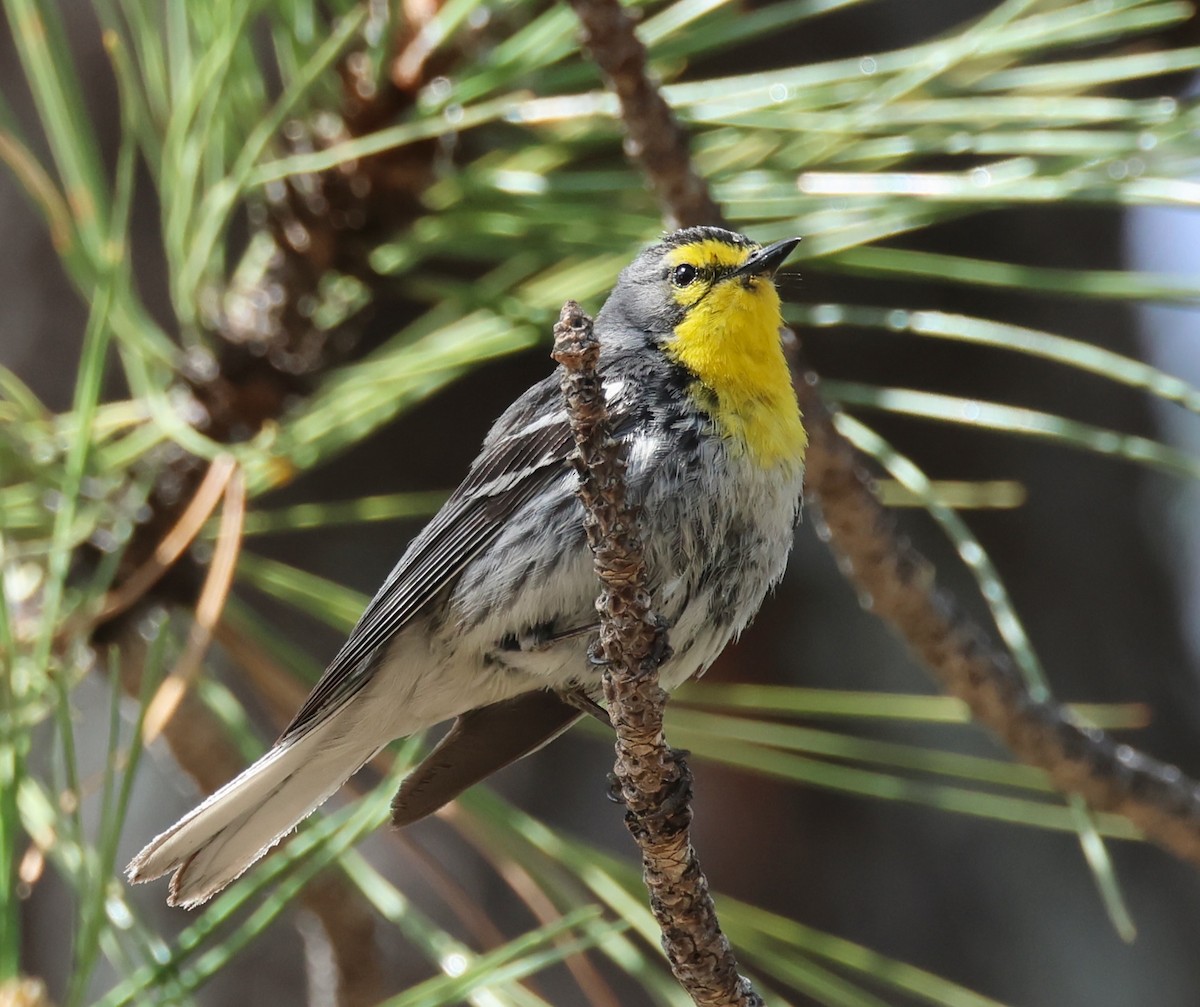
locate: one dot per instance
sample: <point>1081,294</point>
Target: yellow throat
<point>729,339</point>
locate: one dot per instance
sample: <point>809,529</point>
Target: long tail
<point>218,841</point>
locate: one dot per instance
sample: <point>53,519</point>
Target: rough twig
<point>656,785</point>
<point>1159,799</point>
<point>653,136</point>
<point>1162,802</point>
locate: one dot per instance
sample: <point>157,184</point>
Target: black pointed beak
<point>765,261</point>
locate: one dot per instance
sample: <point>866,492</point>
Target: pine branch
<point>654,137</point>
<point>656,784</point>
<point>901,583</point>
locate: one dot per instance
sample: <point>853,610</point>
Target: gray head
<point>658,290</point>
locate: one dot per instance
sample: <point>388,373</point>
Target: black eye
<point>684,274</point>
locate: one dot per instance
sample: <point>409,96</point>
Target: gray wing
<point>525,452</point>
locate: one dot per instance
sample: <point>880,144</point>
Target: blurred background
<point>1101,554</point>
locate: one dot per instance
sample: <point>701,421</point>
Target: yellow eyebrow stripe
<point>709,253</point>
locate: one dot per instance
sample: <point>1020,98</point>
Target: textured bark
<point>1159,799</point>
<point>654,138</point>
<point>655,783</point>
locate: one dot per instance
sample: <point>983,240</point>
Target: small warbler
<point>488,616</point>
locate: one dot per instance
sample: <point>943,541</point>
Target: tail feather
<point>218,841</point>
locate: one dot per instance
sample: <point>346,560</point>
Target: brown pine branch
<point>1159,799</point>
<point>656,785</point>
<point>267,346</point>
<point>654,138</point>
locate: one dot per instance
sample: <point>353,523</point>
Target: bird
<point>487,619</point>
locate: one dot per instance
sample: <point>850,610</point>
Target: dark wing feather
<point>481,742</point>
<point>515,465</point>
